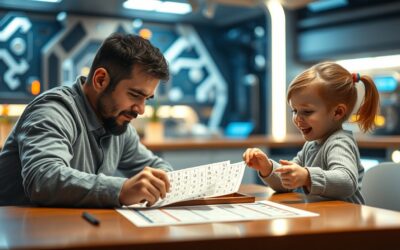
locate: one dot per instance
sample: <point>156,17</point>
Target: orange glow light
<point>35,87</point>
<point>379,121</point>
<point>145,33</point>
<point>6,110</point>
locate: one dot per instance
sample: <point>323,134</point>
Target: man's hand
<point>257,159</point>
<point>148,185</point>
<point>293,175</point>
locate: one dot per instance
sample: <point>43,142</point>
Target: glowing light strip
<point>48,1</point>
<point>371,63</point>
<point>158,6</point>
<point>14,110</point>
<point>278,69</point>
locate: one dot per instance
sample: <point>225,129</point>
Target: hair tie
<point>356,77</point>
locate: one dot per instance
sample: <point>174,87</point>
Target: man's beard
<point>110,123</point>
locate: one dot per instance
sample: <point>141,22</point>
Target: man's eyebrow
<point>140,92</point>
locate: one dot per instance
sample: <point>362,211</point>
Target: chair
<point>381,186</point>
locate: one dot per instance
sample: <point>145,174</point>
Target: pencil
<point>90,218</point>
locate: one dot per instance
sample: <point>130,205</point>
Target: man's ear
<point>340,111</point>
<point>100,79</point>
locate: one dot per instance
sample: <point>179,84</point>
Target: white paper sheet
<point>202,181</point>
<point>262,210</point>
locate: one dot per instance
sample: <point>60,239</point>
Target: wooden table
<point>369,142</point>
<point>340,225</point>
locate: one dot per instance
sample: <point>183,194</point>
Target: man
<point>71,143</point>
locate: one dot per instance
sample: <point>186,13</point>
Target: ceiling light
<point>158,6</point>
<point>48,1</point>
<point>324,5</point>
<point>149,5</point>
<point>371,63</point>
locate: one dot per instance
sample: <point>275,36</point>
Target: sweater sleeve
<point>45,138</point>
<point>337,177</point>
<point>274,180</point>
<point>136,156</point>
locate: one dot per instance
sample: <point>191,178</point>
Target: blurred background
<point>230,62</point>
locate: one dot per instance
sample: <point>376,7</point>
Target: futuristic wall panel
<point>21,37</point>
<point>67,48</point>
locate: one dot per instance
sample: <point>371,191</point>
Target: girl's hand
<point>257,159</point>
<point>293,175</point>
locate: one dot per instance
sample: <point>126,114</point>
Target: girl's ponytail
<point>369,107</point>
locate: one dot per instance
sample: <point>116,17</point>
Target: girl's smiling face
<point>311,114</point>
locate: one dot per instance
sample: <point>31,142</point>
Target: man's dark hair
<point>119,53</point>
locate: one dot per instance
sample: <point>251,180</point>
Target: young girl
<point>328,166</point>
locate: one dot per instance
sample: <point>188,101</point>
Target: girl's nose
<point>297,118</point>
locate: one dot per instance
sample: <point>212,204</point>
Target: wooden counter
<point>373,142</point>
<point>340,225</point>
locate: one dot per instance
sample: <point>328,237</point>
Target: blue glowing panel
<point>21,39</point>
<point>38,47</point>
<point>369,163</point>
<point>324,5</point>
<point>385,83</point>
<point>239,129</point>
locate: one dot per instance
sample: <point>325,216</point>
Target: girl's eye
<point>307,112</point>
<point>302,112</point>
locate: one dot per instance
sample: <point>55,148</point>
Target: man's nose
<point>139,108</point>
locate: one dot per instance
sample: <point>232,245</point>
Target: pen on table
<point>90,218</point>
